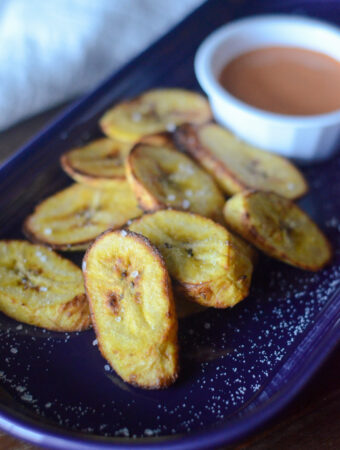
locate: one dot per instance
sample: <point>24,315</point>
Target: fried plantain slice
<point>132,308</point>
<point>163,177</point>
<point>279,228</point>
<point>238,166</point>
<point>41,288</point>
<point>163,139</point>
<point>208,264</point>
<point>99,164</point>
<point>75,216</point>
<point>154,111</point>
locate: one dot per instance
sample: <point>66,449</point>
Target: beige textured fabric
<point>53,50</point>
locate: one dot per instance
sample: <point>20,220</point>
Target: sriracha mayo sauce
<point>284,80</point>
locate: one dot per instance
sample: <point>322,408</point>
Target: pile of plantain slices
<point>170,208</point>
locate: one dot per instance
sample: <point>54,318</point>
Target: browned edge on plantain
<point>171,332</point>
<point>206,198</point>
<point>221,291</point>
<point>79,246</point>
<point>111,148</point>
<point>243,226</point>
<point>55,317</point>
<point>187,139</point>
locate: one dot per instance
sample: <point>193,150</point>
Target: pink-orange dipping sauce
<point>284,80</point>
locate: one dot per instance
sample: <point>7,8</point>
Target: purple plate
<point>239,366</point>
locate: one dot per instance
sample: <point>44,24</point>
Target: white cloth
<point>53,50</point>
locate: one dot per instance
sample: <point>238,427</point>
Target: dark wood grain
<point>10,443</point>
<point>311,422</point>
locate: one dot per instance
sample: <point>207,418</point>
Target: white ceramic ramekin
<point>305,138</point>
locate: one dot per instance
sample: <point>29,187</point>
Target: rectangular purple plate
<point>239,366</point>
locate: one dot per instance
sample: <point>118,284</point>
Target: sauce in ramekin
<point>284,80</point>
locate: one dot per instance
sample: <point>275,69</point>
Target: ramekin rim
<point>214,90</point>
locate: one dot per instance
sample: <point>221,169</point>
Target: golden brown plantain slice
<point>163,139</point>
<point>208,264</point>
<point>163,177</point>
<point>238,166</point>
<point>279,228</point>
<point>41,288</point>
<point>99,163</point>
<point>132,308</point>
<point>75,216</point>
<point>154,111</point>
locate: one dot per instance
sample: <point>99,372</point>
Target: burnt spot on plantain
<point>113,302</point>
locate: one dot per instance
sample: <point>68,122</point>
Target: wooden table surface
<point>310,422</point>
